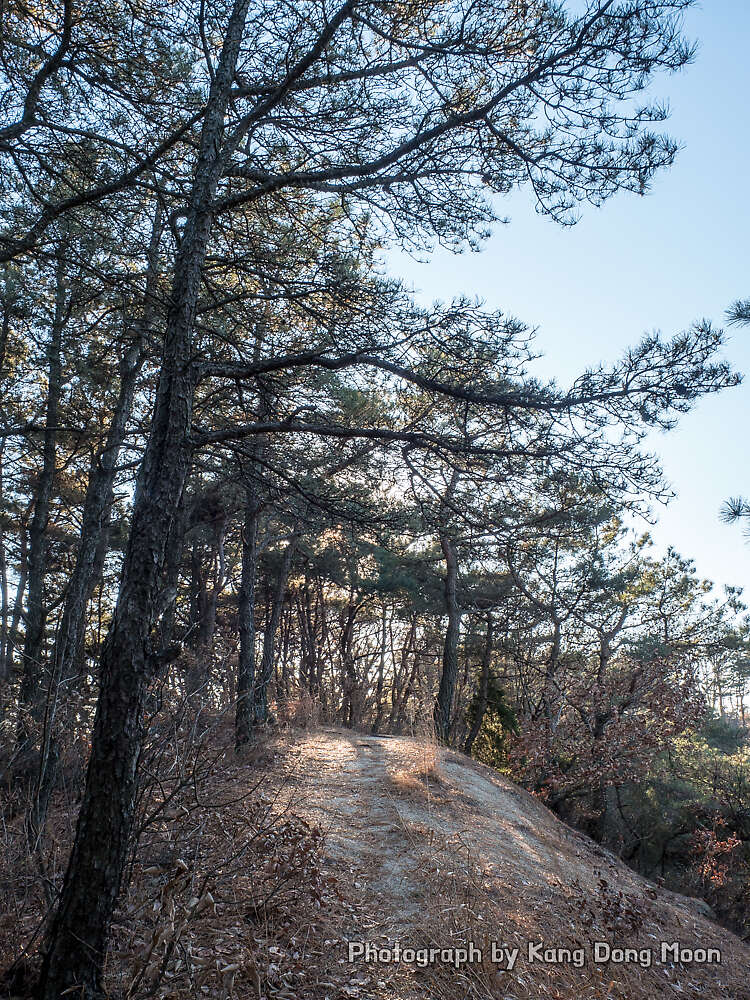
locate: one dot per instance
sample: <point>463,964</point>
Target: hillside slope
<point>266,876</point>
<point>445,851</point>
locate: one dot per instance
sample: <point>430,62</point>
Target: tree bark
<point>402,689</point>
<point>33,645</point>
<point>449,675</point>
<point>5,662</point>
<point>23,573</point>
<point>79,934</point>
<point>378,721</point>
<point>243,722</point>
<point>205,602</point>
<point>99,493</point>
<point>260,697</point>
<point>484,683</point>
<point>167,604</point>
<point>349,671</point>
<point>4,594</point>
<point>309,660</point>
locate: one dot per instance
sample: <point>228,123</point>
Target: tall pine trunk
<point>348,665</point>
<point>5,662</point>
<point>33,645</point>
<point>23,573</point>
<point>260,697</point>
<point>205,602</point>
<point>482,692</point>
<point>99,493</point>
<point>449,675</point>
<point>243,722</point>
<point>79,934</point>
<point>4,593</point>
<point>378,721</point>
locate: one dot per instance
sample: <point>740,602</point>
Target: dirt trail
<point>443,850</point>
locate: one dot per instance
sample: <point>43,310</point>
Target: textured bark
<point>204,604</point>
<point>4,595</point>
<point>94,526</point>
<point>97,507</point>
<point>23,573</point>
<point>69,652</point>
<point>349,670</point>
<point>260,697</point>
<point>402,687</point>
<point>484,682</point>
<point>449,675</point>
<point>167,604</point>
<point>243,722</point>
<point>33,645</point>
<point>79,934</point>
<point>378,721</point>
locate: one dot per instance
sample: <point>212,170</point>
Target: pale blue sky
<point>644,264</point>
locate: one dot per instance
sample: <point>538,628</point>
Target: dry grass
<point>254,871</point>
<point>301,712</point>
<point>460,854</point>
<point>227,895</point>
<point>424,785</point>
<point>417,772</point>
<point>464,900</point>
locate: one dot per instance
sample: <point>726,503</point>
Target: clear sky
<point>644,264</point>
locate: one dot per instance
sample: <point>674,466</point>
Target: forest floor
<point>252,883</point>
<point>441,851</point>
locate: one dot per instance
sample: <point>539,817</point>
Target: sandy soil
<point>442,850</point>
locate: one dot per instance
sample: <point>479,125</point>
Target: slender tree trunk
<point>719,686</point>
<point>317,686</point>
<point>4,336</point>
<point>23,573</point>
<point>33,645</point>
<point>79,934</point>
<point>5,659</point>
<point>408,689</point>
<point>286,632</point>
<point>4,595</point>
<point>401,696</point>
<point>309,660</point>
<point>484,683</point>
<point>93,542</point>
<point>349,672</point>
<point>319,638</point>
<point>205,600</point>
<point>167,604</point>
<point>69,652</point>
<point>549,674</point>
<point>99,494</point>
<point>95,580</point>
<point>381,674</point>
<point>449,675</point>
<point>260,697</point>
<point>243,722</point>
<point>599,795</point>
